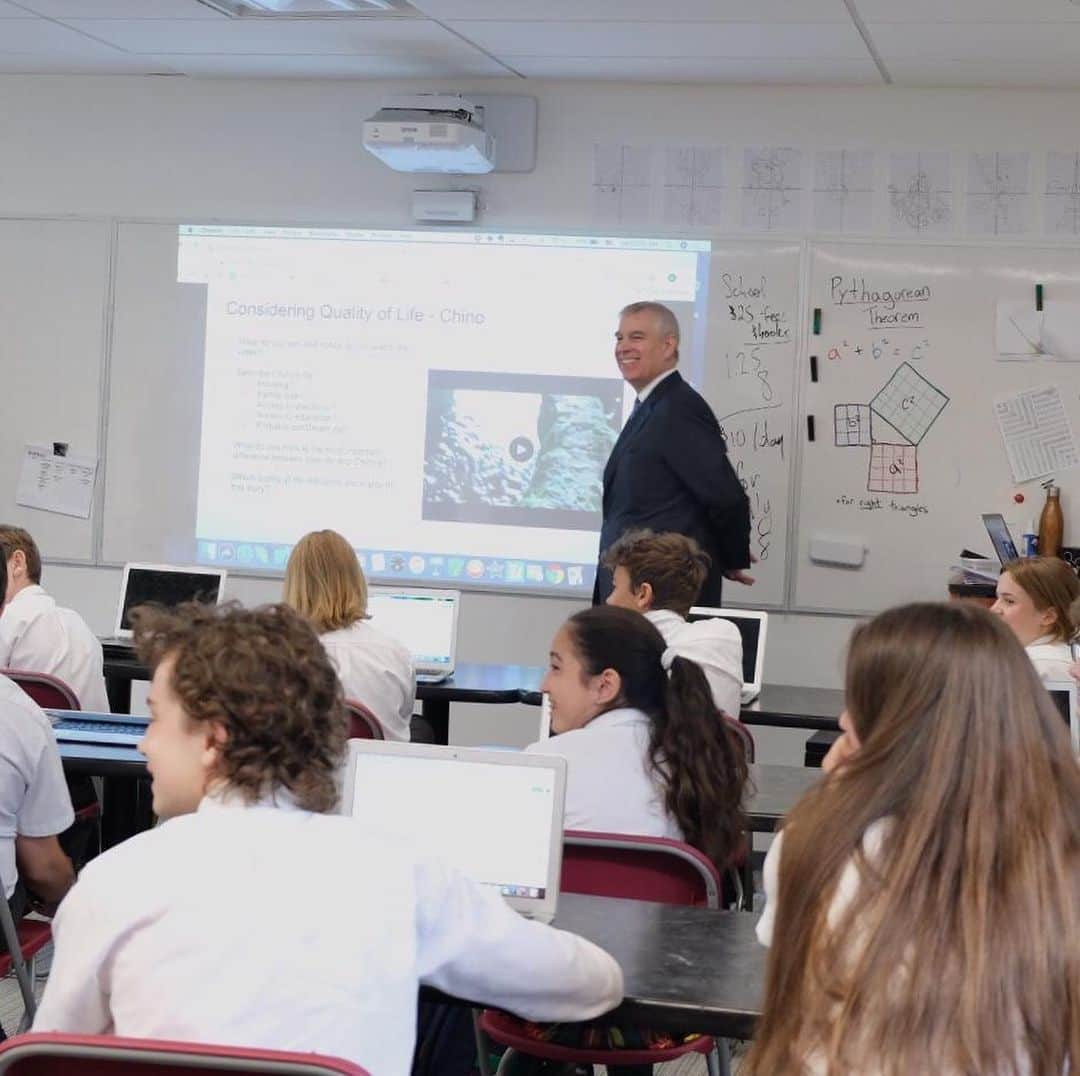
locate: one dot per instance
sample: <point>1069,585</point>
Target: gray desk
<point>777,790</point>
<point>785,706</point>
<point>685,969</point>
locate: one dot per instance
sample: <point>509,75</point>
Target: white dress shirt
<point>609,786</point>
<point>198,931</point>
<point>38,635</point>
<point>644,394</point>
<point>1050,657</point>
<point>376,670</point>
<point>715,646</point>
<point>34,800</point>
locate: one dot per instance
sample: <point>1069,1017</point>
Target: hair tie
<point>667,658</point>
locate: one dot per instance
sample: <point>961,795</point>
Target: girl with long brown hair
<point>923,902</point>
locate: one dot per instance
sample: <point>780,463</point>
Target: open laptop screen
<point>998,530</point>
<point>750,631</point>
<point>424,622</point>
<point>166,586</point>
<point>491,817</point>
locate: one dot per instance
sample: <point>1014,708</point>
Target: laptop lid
<point>165,584</point>
<point>423,621</point>
<point>753,626</point>
<point>1063,694</point>
<point>495,815</point>
<point>998,529</point>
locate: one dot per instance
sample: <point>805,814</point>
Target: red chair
<point>32,935</point>
<point>654,869</point>
<point>744,735</point>
<point>363,724</point>
<point>49,692</point>
<point>52,1054</point>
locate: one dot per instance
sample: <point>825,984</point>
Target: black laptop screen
<point>168,588</point>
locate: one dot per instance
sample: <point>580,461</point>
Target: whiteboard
<point>907,452</point>
<point>54,278</point>
<point>750,384</point>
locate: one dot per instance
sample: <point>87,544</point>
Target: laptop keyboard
<point>75,725</point>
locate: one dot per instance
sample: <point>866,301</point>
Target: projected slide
<point>446,401</point>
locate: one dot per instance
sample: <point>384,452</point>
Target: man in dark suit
<point>669,469</point>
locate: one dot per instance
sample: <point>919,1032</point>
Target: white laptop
<point>82,726</point>
<point>425,622</point>
<point>753,626</point>
<point>165,584</point>
<point>495,815</point>
<point>1063,693</point>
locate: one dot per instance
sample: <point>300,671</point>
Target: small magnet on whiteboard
<point>1038,297</point>
<point>1018,497</point>
<point>59,448</point>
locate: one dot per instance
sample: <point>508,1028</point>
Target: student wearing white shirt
<point>922,905</point>
<point>325,583</point>
<point>661,576</point>
<point>198,929</point>
<point>1033,597</point>
<point>37,635</point>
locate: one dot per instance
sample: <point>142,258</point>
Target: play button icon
<point>521,450</point>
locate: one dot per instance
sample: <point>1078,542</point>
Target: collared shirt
<point>34,800</point>
<point>714,645</point>
<point>643,395</point>
<point>1051,657</point>
<point>376,670</point>
<point>610,787</point>
<point>274,927</point>
<point>38,635</point>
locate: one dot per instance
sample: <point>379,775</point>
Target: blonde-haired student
<point>923,902</point>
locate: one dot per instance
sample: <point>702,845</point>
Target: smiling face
<point>1016,607</point>
<point>576,696</point>
<point>642,351</point>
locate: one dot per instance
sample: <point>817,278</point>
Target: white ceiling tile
<point>325,37</point>
<point>704,70</point>
<point>1010,74</point>
<point>120,9</point>
<point>991,42</point>
<point>637,10</point>
<point>969,11</point>
<point>657,39</point>
<point>10,11</point>
<point>40,37</point>
<point>335,67</point>
<point>111,63</point>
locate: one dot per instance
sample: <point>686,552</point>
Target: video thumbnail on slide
<point>521,449</point>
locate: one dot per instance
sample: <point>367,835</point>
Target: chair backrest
<point>656,869</point>
<point>53,1054</point>
<point>363,724</point>
<point>49,692</point>
<point>743,734</point>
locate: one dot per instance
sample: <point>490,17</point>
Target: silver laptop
<point>424,622</point>
<point>165,584</point>
<point>1063,693</point>
<point>753,627</point>
<point>998,531</point>
<point>495,815</point>
<point>82,726</point>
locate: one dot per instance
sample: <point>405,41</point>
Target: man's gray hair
<point>666,321</point>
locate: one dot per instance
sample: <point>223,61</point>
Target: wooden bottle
<point>1051,523</point>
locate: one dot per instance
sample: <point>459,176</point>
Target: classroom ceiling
<point>956,43</point>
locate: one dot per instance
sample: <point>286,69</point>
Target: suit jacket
<point>669,471</point>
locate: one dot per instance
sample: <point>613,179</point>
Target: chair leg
<point>483,1055</point>
<point>718,1060</point>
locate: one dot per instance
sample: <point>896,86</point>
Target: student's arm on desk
<point>472,945</point>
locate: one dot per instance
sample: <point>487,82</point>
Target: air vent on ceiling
<point>309,9</point>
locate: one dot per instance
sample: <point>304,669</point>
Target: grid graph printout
<point>909,403</point>
<point>893,469</point>
<point>852,425</point>
<point>1037,434</point>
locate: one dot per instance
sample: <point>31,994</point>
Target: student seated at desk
<point>253,916</point>
<point>661,576</point>
<point>1033,597</point>
<point>37,635</point>
<point>325,583</point>
<point>923,902</point>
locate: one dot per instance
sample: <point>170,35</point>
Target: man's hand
<point>741,575</point>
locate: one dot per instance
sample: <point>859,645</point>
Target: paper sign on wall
<point>56,483</point>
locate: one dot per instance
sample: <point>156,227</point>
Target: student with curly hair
<point>203,928</point>
<point>923,901</point>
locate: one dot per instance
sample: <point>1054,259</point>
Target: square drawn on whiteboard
<point>909,403</point>
<point>893,469</point>
<point>852,425</point>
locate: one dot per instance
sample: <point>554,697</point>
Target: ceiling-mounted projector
<point>431,132</point>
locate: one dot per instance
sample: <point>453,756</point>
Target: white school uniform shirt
<point>34,799</point>
<point>1051,658</point>
<point>377,670</point>
<point>715,646</point>
<point>609,786</point>
<point>38,635</point>
<point>196,931</point>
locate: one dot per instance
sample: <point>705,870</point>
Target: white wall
<point>289,152</point>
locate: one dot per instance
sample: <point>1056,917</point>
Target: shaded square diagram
<point>909,403</point>
<point>851,424</point>
<point>893,469</point>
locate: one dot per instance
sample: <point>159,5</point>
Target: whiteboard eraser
<point>845,554</point>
